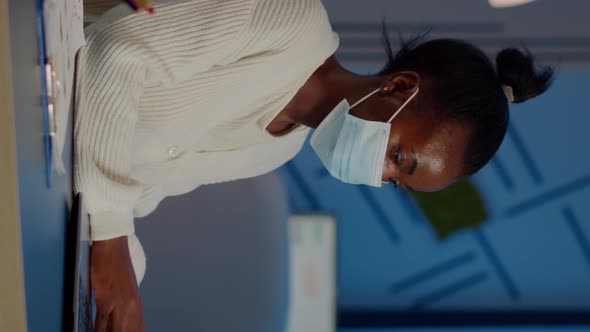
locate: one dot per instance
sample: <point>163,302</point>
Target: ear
<point>404,82</point>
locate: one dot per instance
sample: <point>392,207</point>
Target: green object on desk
<point>454,208</point>
<point>145,3</point>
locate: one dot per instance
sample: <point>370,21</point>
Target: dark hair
<point>468,88</point>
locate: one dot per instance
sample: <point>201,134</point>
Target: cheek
<point>436,184</point>
<point>427,182</point>
<point>435,171</point>
<point>434,165</point>
<point>437,158</point>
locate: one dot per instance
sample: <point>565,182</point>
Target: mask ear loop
<point>364,98</point>
<point>403,105</point>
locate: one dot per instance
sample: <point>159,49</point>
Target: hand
<point>118,304</point>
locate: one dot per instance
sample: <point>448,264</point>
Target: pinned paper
<point>312,256</point>
<point>64,35</point>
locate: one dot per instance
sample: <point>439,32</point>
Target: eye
<point>396,155</point>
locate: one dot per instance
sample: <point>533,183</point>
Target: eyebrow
<point>414,163</point>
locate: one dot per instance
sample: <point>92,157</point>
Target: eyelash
<point>396,160</point>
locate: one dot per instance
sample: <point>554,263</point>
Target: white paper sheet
<point>64,35</point>
<point>312,242</point>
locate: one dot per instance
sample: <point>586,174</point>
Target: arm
<point>109,86</point>
<point>115,287</point>
<point>110,83</point>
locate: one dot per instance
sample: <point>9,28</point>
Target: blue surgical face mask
<point>353,149</point>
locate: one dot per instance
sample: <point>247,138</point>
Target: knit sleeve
<point>110,83</point>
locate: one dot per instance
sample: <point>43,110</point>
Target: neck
<point>329,85</point>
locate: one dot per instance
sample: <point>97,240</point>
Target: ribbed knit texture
<point>168,102</point>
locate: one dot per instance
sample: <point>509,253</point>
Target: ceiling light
<point>508,3</point>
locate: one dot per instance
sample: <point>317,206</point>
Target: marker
<point>140,4</point>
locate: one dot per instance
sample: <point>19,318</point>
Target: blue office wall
<point>533,252</point>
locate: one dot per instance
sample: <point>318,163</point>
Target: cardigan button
<point>173,151</point>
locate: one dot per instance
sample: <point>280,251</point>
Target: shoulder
<point>294,14</point>
<point>282,24</point>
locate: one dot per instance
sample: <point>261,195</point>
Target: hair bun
<point>518,71</point>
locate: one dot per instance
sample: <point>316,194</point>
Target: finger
<point>116,321</point>
<point>102,320</point>
<point>141,326</point>
<point>134,321</point>
<point>110,324</point>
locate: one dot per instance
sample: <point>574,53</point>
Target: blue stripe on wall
<point>451,289</point>
<point>524,153</point>
<point>577,231</point>
<point>309,194</point>
<point>408,204</point>
<point>502,173</point>
<point>494,259</point>
<point>434,271</point>
<point>548,196</point>
<point>379,213</point>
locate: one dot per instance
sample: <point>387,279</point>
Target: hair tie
<point>508,92</point>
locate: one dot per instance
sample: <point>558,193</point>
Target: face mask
<point>353,149</point>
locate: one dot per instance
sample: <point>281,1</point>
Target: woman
<point>206,91</point>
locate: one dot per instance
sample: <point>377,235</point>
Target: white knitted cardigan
<point>168,102</point>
